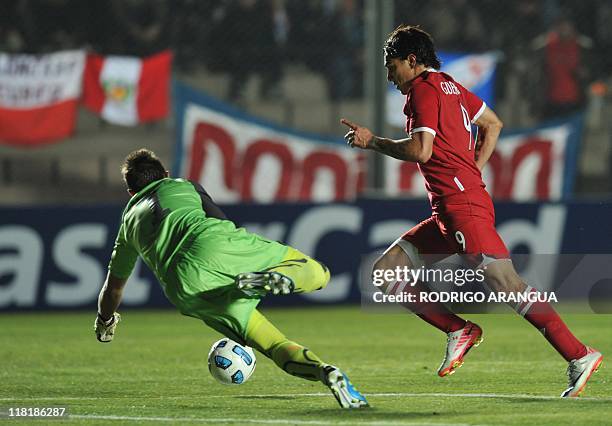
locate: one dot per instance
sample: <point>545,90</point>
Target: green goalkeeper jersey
<point>187,241</point>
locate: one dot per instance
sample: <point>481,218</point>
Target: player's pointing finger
<point>349,123</point>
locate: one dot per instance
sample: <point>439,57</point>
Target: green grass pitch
<point>155,372</point>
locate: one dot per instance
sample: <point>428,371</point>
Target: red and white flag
<point>39,96</point>
<point>128,90</point>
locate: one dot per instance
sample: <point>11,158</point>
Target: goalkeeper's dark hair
<point>140,168</point>
<point>406,40</point>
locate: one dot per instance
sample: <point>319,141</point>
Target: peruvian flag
<point>128,90</point>
<point>39,96</point>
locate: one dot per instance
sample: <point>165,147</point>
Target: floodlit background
<point>303,65</point>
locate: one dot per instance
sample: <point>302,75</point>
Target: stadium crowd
<point>561,42</point>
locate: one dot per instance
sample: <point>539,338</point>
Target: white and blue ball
<point>230,362</point>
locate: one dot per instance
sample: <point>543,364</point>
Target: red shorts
<point>463,223</point>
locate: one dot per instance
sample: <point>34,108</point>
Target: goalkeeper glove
<point>105,329</point>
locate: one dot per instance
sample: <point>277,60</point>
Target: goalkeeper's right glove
<point>105,329</point>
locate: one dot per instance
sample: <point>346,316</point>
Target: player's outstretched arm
<point>418,148</point>
<point>108,302</point>
<point>489,128</point>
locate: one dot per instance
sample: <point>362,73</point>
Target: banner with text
<point>39,96</point>
<point>56,258</point>
<point>537,164</point>
<point>244,159</point>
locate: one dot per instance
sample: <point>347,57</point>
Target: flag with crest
<point>128,90</point>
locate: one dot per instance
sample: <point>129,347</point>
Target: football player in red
<point>440,113</point>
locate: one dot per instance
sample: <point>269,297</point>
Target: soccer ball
<point>230,362</point>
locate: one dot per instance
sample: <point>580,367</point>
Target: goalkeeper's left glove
<point>105,329</point>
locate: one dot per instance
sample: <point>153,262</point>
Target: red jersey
<point>439,105</point>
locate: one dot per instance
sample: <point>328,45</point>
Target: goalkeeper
<point>211,270</point>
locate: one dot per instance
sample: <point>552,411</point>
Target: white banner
<point>240,160</point>
<point>34,81</point>
<point>528,166</point>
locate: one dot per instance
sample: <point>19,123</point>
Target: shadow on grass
<point>374,414</point>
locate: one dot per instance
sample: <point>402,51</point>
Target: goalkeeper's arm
<point>110,296</point>
<point>108,302</point>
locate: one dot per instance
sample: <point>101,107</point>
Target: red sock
<point>434,313</point>
<point>543,317</point>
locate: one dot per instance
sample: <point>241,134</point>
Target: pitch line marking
<point>260,421</point>
<point>488,395</point>
<point>316,394</point>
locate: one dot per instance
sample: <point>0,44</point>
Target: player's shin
<point>502,277</point>
<point>434,313</point>
<point>404,255</point>
<point>299,361</point>
<point>543,317</point>
<point>291,357</point>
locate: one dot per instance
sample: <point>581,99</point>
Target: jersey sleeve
<point>425,108</point>
<point>123,258</point>
<point>475,105</point>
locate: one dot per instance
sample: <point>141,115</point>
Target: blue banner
<point>476,72</point>
<point>55,258</point>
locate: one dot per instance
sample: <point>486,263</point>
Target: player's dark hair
<point>140,168</point>
<point>406,40</point>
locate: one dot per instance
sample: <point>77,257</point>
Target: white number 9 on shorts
<point>460,239</point>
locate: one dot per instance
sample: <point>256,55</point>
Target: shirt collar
<point>423,74</point>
